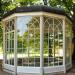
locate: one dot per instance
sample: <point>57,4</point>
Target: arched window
<point>53,41</point>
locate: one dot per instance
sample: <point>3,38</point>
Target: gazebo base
<point>36,70</point>
<point>39,74</point>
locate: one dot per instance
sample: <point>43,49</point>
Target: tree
<point>1,37</point>
<point>67,5</point>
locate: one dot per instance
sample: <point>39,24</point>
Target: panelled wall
<point>28,41</point>
<point>56,45</point>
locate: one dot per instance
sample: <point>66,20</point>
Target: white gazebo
<point>37,40</point>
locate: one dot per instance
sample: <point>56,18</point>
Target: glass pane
<point>37,61</point>
<point>37,33</point>
<point>12,56</point>
<point>12,25</point>
<point>45,33</point>
<point>37,43</point>
<point>53,41</point>
<point>51,61</point>
<point>25,57</point>
<point>6,26</point>
<point>9,42</point>
<point>25,43</point>
<point>19,57</point>
<point>28,39</point>
<point>31,45</point>
<point>50,21</point>
<point>12,44</point>
<point>12,35</point>
<point>31,61</point>
<point>25,61</point>
<point>46,43</point>
<point>31,33</point>
<point>68,42</point>
<point>25,34</point>
<point>45,61</point>
<point>19,42</point>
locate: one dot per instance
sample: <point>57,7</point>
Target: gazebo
<point>37,40</point>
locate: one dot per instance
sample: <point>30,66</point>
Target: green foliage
<point>7,5</point>
<point>1,35</point>
<point>67,5</point>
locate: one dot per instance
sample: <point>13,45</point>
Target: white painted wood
<point>28,74</point>
<point>53,69</point>
<point>8,71</point>
<point>3,43</point>
<point>21,69</point>
<point>36,70</point>
<point>68,66</point>
<point>53,42</point>
<point>64,46</point>
<point>34,14</point>
<point>9,67</point>
<point>15,47</point>
<point>71,49</point>
<point>41,69</point>
<point>41,43</point>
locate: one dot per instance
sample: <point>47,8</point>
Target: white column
<point>41,43</point>
<point>15,48</point>
<point>71,36</point>
<point>4,44</point>
<point>64,56</point>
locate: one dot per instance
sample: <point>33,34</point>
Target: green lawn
<point>1,51</point>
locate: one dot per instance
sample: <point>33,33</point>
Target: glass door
<point>9,42</point>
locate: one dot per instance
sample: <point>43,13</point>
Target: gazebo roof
<point>36,9</point>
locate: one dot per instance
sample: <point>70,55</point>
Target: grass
<point>1,51</point>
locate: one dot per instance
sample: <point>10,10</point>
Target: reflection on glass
<point>53,42</point>
<point>9,42</point>
<point>22,24</point>
<point>28,38</point>
<point>68,42</point>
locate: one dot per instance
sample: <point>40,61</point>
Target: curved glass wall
<point>28,41</point>
<point>53,41</point>
<point>23,32</point>
<point>68,42</point>
<point>9,42</point>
